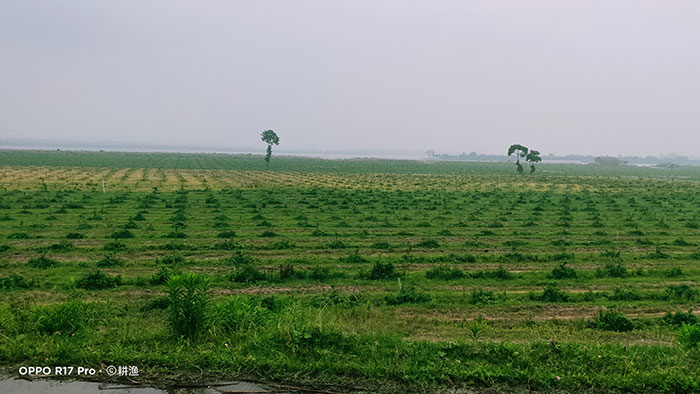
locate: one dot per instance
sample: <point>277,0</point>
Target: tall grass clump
<point>483,297</point>
<point>15,281</point>
<point>381,271</point>
<point>679,318</point>
<point>110,261</point>
<point>98,280</point>
<point>499,273</point>
<point>682,292</point>
<point>551,294</point>
<point>162,276</point>
<point>65,318</point>
<point>611,320</point>
<point>612,271</point>
<point>477,327</point>
<point>407,294</point>
<point>563,272</point>
<point>246,274</point>
<point>689,336</point>
<point>62,319</point>
<point>239,314</point>
<point>114,246</point>
<point>189,300</point>
<point>43,262</point>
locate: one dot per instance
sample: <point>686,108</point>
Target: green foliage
<point>176,235</point>
<point>520,151</point>
<point>551,294</point>
<point>336,244</point>
<point>18,235</point>
<point>682,292</point>
<point>499,273</point>
<point>611,255</point>
<point>533,157</point>
<point>477,327</point>
<point>335,298</point>
<point>563,272</point>
<point>110,261</point>
<point>65,319</point>
<point>227,245</point>
<point>320,273</point>
<point>15,281</point>
<point>239,314</point>
<point>75,236</point>
<point>246,274</point>
<point>689,336</point>
<point>381,245</point>
<point>62,247</point>
<point>406,294</point>
<point>518,257</point>
<point>138,217</point>
<point>460,258</point>
<point>270,138</point>
<point>189,299</point>
<point>287,271</point>
<point>381,271</point>
<point>562,257</point>
<point>156,303</point>
<point>611,320</point>
<point>122,234</point>
<point>658,254</point>
<point>114,246</point>
<point>680,317</point>
<point>239,259</point>
<point>162,275</point>
<point>612,271</point>
<point>445,273</point>
<point>98,280</point>
<point>483,297</point>
<point>372,210</point>
<point>428,243</point>
<point>43,262</point>
<point>353,258</point>
<point>674,272</point>
<point>172,260</point>
<point>620,294</point>
<point>226,234</point>
<point>175,246</point>
<point>682,242</point>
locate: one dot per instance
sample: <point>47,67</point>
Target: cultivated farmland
<point>359,274</point>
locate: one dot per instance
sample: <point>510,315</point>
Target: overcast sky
<point>593,77</point>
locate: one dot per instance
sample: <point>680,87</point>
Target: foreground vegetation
<point>373,274</point>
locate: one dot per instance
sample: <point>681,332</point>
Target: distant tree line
<point>650,160</point>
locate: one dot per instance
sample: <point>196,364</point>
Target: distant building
<point>609,161</point>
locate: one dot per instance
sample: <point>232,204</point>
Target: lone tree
<point>269,137</point>
<point>520,151</point>
<point>533,157</point>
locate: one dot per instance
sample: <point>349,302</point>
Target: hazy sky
<point>594,77</point>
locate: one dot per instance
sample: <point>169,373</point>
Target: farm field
<point>350,275</point>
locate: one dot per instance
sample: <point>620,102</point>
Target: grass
<point>383,275</point>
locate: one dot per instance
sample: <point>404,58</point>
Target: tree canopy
<point>520,151</point>
<point>270,138</point>
<point>531,156</point>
